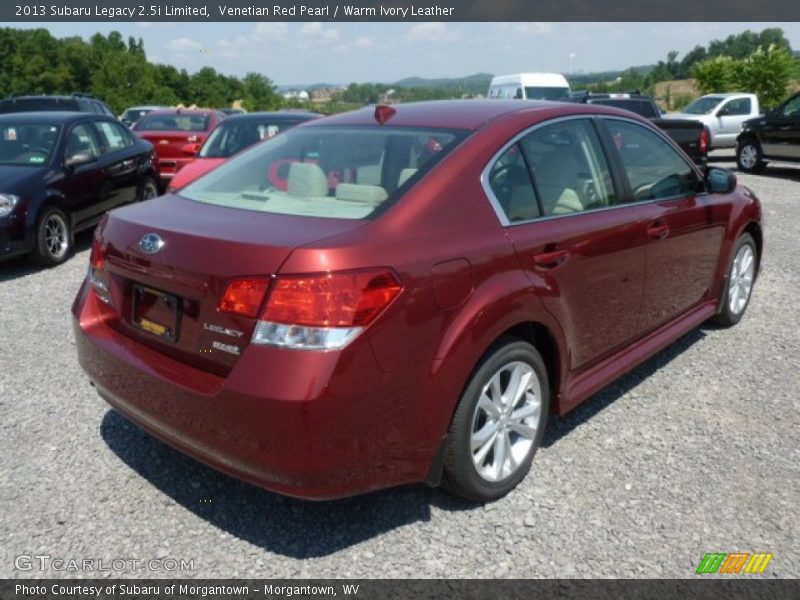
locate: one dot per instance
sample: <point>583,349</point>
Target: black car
<point>690,135</point>
<point>774,136</point>
<point>59,173</point>
<point>74,102</point>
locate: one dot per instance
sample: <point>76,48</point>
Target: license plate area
<point>155,312</point>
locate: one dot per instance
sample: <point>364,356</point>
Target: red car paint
<point>598,292</point>
<point>169,141</point>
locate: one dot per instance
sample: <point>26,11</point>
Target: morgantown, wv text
<point>169,590</point>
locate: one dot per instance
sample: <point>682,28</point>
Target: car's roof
<point>183,111</point>
<point>50,116</point>
<point>463,114</point>
<point>280,115</point>
<point>727,95</point>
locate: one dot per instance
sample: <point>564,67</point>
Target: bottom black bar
<point>367,589</point>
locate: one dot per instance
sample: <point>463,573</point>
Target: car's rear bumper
<point>306,424</point>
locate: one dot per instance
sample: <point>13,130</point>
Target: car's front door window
<point>82,140</point>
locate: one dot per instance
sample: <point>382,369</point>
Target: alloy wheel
<point>741,279</point>
<point>505,421</point>
<point>56,236</point>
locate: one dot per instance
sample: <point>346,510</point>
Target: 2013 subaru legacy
<point>433,282</point>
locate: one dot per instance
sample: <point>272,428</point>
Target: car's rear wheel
<point>739,285</point>
<point>53,237</point>
<point>749,157</point>
<point>499,423</point>
<point>148,190</point>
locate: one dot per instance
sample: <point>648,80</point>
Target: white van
<point>529,86</point>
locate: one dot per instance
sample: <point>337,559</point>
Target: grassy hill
<point>471,84</point>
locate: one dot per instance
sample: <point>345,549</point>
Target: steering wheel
<point>34,150</point>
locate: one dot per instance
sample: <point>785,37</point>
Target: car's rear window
<point>326,171</point>
<point>640,107</point>
<point>172,122</point>
<point>228,138</point>
<point>27,144</point>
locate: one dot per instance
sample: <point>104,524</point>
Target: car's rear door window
<point>654,168</point>
<point>325,171</point>
<point>113,137</point>
<point>81,139</point>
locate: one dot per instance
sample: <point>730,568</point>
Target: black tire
<point>749,157</point>
<point>729,315</point>
<point>54,239</point>
<point>461,474</point>
<point>148,190</point>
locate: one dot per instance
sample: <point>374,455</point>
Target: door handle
<point>550,260</point>
<point>658,230</point>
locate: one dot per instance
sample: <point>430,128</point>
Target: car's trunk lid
<point>169,299</point>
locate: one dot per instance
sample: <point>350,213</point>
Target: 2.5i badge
<point>229,348</point>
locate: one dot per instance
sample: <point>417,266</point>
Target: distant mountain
<point>606,75</point>
<point>471,84</point>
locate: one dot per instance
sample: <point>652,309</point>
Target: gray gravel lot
<point>695,451</point>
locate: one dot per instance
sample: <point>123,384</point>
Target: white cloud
<point>431,32</point>
<point>184,44</point>
<point>317,32</point>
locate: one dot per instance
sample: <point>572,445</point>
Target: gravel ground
<point>695,451</point>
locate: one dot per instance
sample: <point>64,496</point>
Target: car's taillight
<point>324,311</point>
<point>97,265</point>
<point>244,297</point>
<point>704,141</point>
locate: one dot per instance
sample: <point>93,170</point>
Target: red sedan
<point>176,135</point>
<point>434,281</point>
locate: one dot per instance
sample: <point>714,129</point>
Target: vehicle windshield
<point>326,171</point>
<point>172,122</point>
<point>546,93</point>
<point>703,106</point>
<point>28,144</point>
<point>228,138</point>
<point>134,115</point>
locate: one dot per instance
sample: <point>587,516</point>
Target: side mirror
<point>79,158</point>
<point>720,181</point>
<point>724,111</point>
<point>190,149</point>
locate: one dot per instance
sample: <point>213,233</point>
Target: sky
<point>306,53</point>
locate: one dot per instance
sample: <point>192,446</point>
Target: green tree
<point>715,75</point>
<point>766,73</point>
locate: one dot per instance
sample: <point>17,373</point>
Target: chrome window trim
<point>498,209</point>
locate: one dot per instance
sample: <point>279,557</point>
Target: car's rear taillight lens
<point>97,258</point>
<point>325,311</point>
<point>244,297</point>
<point>704,141</point>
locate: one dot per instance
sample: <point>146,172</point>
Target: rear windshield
<point>37,104</point>
<point>29,144</point>
<point>546,93</point>
<point>134,115</point>
<point>640,107</point>
<point>172,122</point>
<point>702,106</point>
<point>228,138</point>
<point>326,171</point>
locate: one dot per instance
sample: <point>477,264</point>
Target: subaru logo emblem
<point>151,243</point>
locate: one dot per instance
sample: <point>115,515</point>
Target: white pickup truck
<point>722,115</point>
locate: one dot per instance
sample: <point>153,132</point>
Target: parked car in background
<point>233,135</point>
<point>529,86</point>
<point>59,173</point>
<point>232,111</point>
<point>722,115</point>
<point>434,281</point>
<point>774,136</point>
<point>691,136</point>
<point>134,113</point>
<point>74,102</point>
<point>170,131</point>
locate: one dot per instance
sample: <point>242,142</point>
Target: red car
<point>435,280</point>
<point>235,134</point>
<point>176,134</point>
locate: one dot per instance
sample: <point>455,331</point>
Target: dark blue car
<point>59,173</point>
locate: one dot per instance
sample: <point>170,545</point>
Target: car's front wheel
<point>739,285</point>
<point>53,237</point>
<point>749,157</point>
<point>499,423</point>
